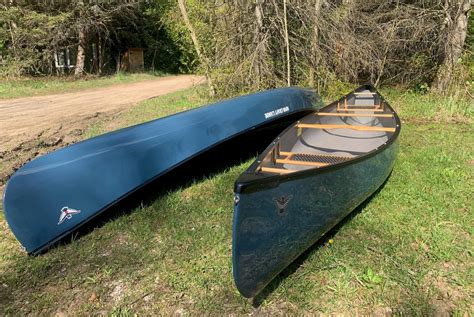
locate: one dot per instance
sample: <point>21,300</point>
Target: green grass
<point>407,251</point>
<point>26,87</point>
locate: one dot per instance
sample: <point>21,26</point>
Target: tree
<point>81,47</point>
<point>96,20</point>
<point>30,37</point>
<point>457,26</point>
<point>287,44</point>
<point>204,60</point>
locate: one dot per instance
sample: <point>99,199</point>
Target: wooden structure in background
<point>132,60</point>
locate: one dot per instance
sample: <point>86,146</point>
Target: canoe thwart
<point>364,93</point>
<point>334,114</point>
<point>345,126</point>
<point>361,109</point>
<point>362,106</point>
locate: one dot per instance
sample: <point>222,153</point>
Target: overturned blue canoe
<point>313,174</point>
<point>57,193</point>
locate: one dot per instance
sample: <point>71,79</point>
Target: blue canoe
<point>314,173</point>
<point>55,194</point>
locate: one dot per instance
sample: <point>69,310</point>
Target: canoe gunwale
<point>250,182</point>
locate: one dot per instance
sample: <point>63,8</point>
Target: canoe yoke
<point>285,162</point>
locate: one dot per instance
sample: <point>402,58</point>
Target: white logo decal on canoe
<point>282,202</point>
<point>276,112</point>
<point>67,213</point>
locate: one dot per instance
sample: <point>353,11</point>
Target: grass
<point>26,87</point>
<point>154,108</point>
<point>407,251</point>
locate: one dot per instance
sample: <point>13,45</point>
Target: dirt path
<point>25,118</point>
<point>34,125</point>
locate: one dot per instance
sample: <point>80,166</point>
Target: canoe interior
<point>307,180</point>
<point>356,125</point>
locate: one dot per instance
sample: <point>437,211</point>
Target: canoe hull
<point>55,194</point>
<point>276,222</point>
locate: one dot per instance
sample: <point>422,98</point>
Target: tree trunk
<point>81,47</point>
<point>259,39</point>
<point>197,46</point>
<point>81,54</point>
<point>100,55</point>
<point>314,58</point>
<point>117,65</point>
<point>287,43</point>
<point>13,26</point>
<point>454,46</point>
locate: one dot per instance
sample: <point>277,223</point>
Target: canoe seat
<point>305,159</point>
<point>320,158</point>
<point>308,159</point>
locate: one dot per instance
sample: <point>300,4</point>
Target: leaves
<point>371,279</point>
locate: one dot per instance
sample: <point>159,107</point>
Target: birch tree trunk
<point>197,45</point>
<point>81,47</point>
<point>81,54</point>
<point>454,46</point>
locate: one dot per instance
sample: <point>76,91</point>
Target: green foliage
<point>168,46</point>
<point>29,38</point>
<point>469,44</point>
<point>371,279</point>
<point>30,35</point>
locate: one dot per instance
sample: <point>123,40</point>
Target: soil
<point>32,126</point>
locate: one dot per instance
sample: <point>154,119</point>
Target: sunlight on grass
<point>407,251</point>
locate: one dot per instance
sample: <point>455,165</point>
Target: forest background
<point>244,46</point>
